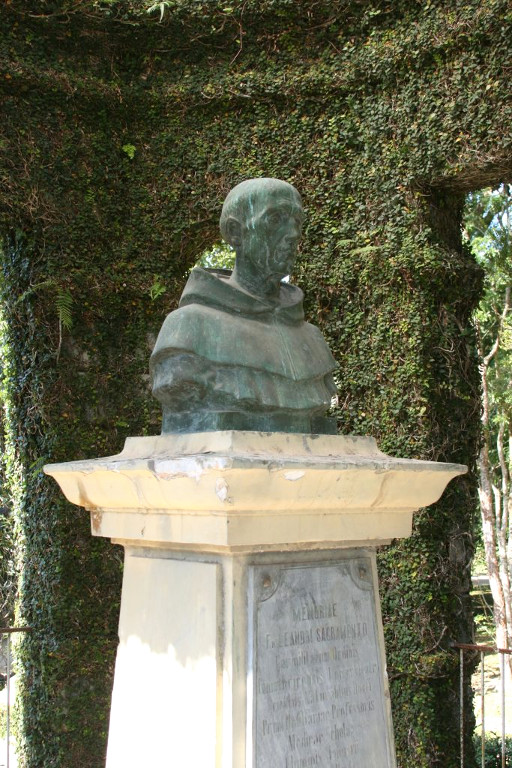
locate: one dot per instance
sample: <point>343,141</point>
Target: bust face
<point>267,230</point>
<point>273,231</point>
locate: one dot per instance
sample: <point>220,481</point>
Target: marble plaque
<point>318,686</point>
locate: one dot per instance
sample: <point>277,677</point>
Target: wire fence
<point>483,650</point>
<point>8,664</point>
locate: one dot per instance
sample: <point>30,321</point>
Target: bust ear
<point>234,232</point>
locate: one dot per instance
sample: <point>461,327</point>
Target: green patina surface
<point>237,354</point>
<point>119,137</point>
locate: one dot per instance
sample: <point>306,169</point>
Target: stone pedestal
<point>250,633</point>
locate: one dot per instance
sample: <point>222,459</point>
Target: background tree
<point>219,256</point>
<point>488,229</point>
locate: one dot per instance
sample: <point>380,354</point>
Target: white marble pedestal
<point>250,633</point>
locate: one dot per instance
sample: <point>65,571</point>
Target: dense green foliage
<point>489,232</point>
<point>493,754</point>
<point>122,131</point>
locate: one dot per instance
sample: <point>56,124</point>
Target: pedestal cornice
<point>252,490</point>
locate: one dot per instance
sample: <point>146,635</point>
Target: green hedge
<point>120,137</point>
<point>492,750</point>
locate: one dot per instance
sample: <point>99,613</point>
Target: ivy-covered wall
<point>121,132</point>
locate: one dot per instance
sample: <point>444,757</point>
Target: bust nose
<point>293,233</point>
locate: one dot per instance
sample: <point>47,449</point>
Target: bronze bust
<point>237,354</point>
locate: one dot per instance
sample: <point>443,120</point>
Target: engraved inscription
<point>318,684</point>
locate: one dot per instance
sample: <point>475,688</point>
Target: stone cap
<point>254,489</point>
<point>246,443</point>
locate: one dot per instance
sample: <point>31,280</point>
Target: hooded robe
<point>227,359</point>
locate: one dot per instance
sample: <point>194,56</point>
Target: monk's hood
<point>213,289</point>
<point>229,327</point>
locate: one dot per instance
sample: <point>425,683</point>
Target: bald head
<point>247,197</point>
<point>262,220</point>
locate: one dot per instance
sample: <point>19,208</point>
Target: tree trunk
<point>487,509</point>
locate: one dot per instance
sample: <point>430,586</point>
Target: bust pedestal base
<point>250,660</point>
<point>250,630</point>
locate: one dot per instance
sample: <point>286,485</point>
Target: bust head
<point>262,220</point>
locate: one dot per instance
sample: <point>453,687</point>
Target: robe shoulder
<point>295,351</point>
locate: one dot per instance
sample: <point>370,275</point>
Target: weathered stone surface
<point>246,608</point>
<point>164,702</point>
<point>244,489</point>
<point>320,694</point>
<point>237,354</point>
<point>274,659</point>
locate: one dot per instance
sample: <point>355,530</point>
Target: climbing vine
<point>124,125</point>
